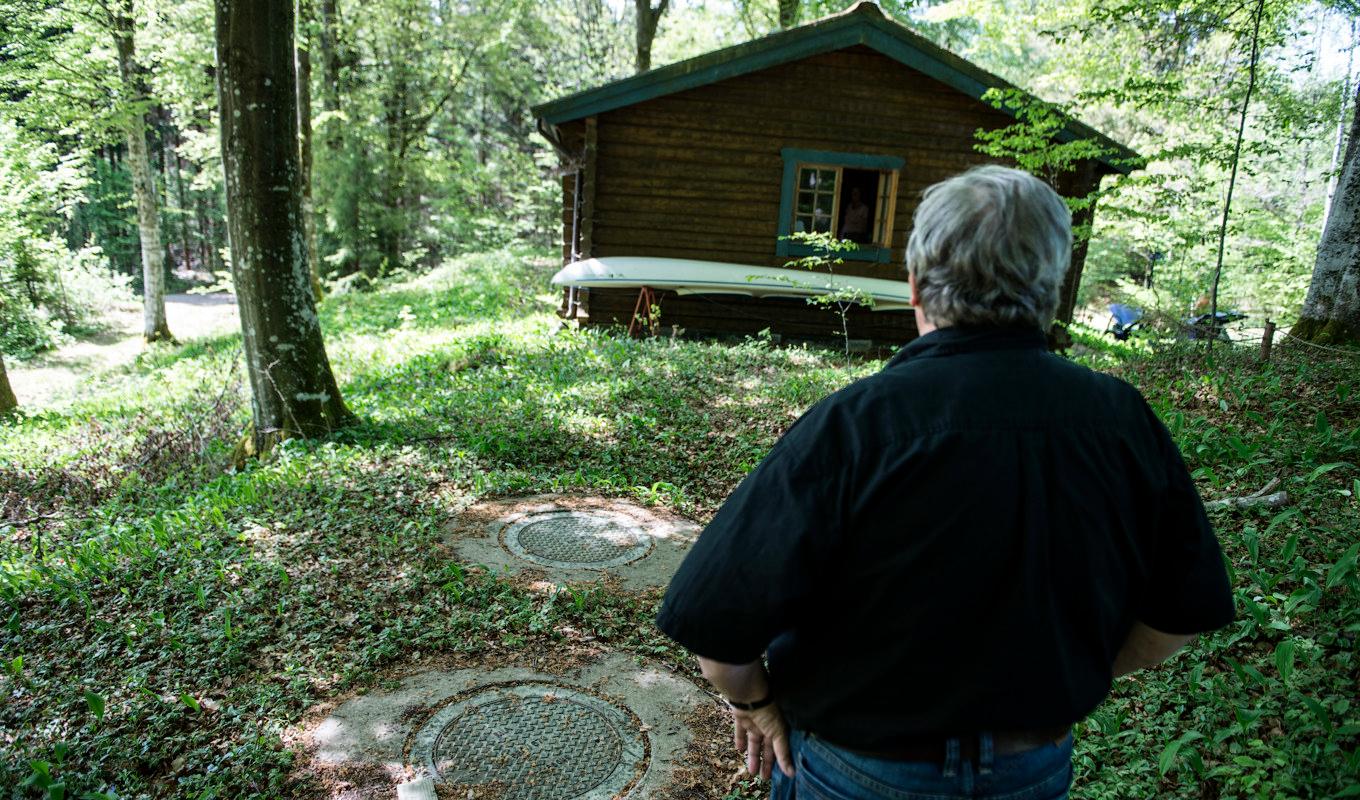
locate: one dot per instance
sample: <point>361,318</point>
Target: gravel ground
<point>53,378</point>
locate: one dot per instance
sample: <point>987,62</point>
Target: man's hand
<point>763,736</point>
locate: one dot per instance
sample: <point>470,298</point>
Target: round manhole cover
<point>574,539</point>
<point>538,741</point>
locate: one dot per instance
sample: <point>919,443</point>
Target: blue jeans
<point>827,772</point>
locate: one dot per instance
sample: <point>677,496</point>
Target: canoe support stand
<point>642,312</point>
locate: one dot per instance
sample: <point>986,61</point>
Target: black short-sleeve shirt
<point>958,543</point>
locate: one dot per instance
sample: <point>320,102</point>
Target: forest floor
<point>167,624</point>
<point>54,378</point>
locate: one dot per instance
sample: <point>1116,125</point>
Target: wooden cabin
<point>837,125</point>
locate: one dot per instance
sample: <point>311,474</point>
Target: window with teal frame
<point>850,195</point>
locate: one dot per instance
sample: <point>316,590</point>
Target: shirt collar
<point>969,339</point>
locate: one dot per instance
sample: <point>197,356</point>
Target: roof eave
<point>836,33</point>
<point>861,25</point>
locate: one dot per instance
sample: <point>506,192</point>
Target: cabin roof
<point>862,24</point>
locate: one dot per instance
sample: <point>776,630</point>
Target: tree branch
<point>1259,498</point>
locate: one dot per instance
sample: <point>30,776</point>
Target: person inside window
<point>855,220</point>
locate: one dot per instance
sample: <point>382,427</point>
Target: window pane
<point>806,200</point>
<point>807,178</point>
<point>826,180</point>
<point>822,224</point>
<point>800,224</point>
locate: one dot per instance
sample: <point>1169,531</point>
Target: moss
<point>8,402</point>
<point>253,444</point>
<point>160,334</point>
<point>1325,331</point>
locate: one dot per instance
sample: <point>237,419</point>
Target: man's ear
<point>915,295</point>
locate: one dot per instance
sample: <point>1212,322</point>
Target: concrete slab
<point>430,724</point>
<point>639,547</point>
<point>419,789</point>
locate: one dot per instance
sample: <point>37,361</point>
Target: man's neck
<point>923,325</point>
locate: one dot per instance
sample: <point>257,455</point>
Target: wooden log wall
<point>747,316</point>
<point>697,174</point>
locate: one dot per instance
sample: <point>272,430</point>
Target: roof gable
<point>863,24</point>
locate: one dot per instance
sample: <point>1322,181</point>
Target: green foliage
<point>826,256</point>
<point>46,289</point>
<point>217,607</point>
<point>1166,79</point>
<point>236,592</point>
<point>1268,709</point>
<point>423,146</point>
<point>434,152</point>
<point>103,217</point>
<point>1034,142</point>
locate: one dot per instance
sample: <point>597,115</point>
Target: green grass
<point>171,621</point>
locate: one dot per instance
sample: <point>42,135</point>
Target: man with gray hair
<point>942,567</point>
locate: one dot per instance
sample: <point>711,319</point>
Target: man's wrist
<point>743,682</point>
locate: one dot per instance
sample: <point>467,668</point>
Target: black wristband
<point>761,703</point>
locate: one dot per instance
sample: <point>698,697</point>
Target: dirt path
<point>53,378</point>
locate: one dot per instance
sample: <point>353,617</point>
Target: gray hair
<point>990,247</point>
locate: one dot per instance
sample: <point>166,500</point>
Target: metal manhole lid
<point>596,539</point>
<point>540,741</point>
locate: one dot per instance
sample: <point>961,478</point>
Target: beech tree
<point>154,325</point>
<point>8,402</point>
<point>303,55</point>
<point>330,72</point>
<point>1331,312</point>
<point>647,19</point>
<point>293,390</point>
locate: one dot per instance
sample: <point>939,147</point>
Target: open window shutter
<point>885,208</point>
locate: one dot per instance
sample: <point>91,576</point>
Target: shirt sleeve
<point>756,562</point>
<point>1187,590</point>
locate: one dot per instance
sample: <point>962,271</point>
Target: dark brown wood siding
<point>697,174</point>
<point>746,316</point>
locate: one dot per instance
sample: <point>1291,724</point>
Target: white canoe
<point>712,277</point>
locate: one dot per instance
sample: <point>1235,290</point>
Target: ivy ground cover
<point>166,621</point>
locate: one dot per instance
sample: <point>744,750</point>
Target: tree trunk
<point>154,326</point>
<point>1331,312</point>
<point>647,19</point>
<point>330,72</point>
<point>1082,182</point>
<point>215,264</point>
<point>1236,159</point>
<point>293,390</point>
<point>8,402</point>
<point>393,191</point>
<point>205,245</point>
<point>788,14</point>
<point>174,171</point>
<point>304,106</point>
<point>1340,128</point>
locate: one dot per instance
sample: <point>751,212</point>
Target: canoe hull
<point>684,276</point>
